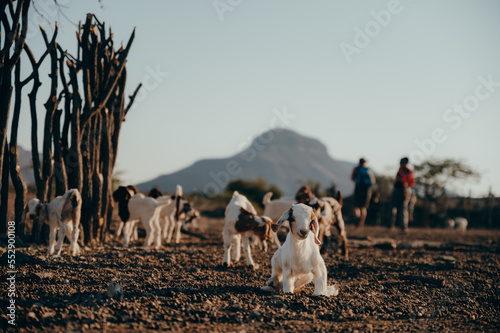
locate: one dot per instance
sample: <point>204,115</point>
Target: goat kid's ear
<point>38,209</point>
<point>243,210</point>
<point>315,227</point>
<point>286,216</point>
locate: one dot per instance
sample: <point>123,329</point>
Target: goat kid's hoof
<point>226,265</point>
<point>254,267</point>
<point>333,290</point>
<point>330,291</point>
<point>267,288</point>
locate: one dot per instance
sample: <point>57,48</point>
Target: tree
<point>14,31</point>
<point>254,190</point>
<point>82,120</point>
<point>432,178</point>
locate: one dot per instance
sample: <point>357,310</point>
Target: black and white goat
<point>63,217</point>
<point>298,261</point>
<point>131,208</point>
<point>241,220</point>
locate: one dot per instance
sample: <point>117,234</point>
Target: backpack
<point>363,177</point>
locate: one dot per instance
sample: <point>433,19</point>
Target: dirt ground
<point>183,288</point>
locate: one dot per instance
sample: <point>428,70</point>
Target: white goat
<point>241,220</point>
<point>174,214</point>
<point>274,208</point>
<point>298,261</point>
<point>459,223</point>
<point>63,214</point>
<point>132,208</point>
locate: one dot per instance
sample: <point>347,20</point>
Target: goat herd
<point>295,264</point>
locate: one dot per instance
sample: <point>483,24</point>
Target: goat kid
<point>274,208</point>
<point>241,220</point>
<point>132,208</point>
<point>298,261</point>
<point>176,213</point>
<point>63,217</point>
<point>134,224</point>
<point>329,212</point>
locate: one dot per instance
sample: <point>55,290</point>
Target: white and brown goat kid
<point>329,212</point>
<point>63,217</point>
<point>298,261</point>
<point>241,220</point>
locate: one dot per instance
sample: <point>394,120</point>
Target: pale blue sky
<point>225,77</point>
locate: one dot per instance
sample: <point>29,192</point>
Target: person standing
<point>364,179</point>
<point>401,194</point>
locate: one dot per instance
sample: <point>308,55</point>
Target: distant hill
<point>281,157</point>
<point>26,165</point>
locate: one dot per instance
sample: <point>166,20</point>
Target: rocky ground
<point>391,282</point>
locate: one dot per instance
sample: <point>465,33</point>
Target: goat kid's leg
<point>302,281</point>
<point>157,232</point>
<point>164,227</point>
<point>340,225</point>
<point>148,226</point>
<point>320,282</point>
<point>60,238</point>
<point>320,279</point>
<point>237,247</point>
<point>275,281</point>
<point>171,228</point>
<point>72,233</point>
<point>178,232</point>
<point>52,241</point>
<point>248,253</point>
<point>288,281</point>
<point>228,241</point>
<point>118,231</point>
<point>135,231</point>
<point>264,245</point>
<point>74,248</point>
<point>126,233</point>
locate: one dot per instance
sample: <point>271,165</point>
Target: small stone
<point>115,290</point>
<point>446,258</point>
<point>31,315</point>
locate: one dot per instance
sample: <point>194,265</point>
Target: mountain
<point>281,157</point>
<point>26,165</point>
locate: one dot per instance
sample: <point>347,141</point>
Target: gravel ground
<point>385,285</point>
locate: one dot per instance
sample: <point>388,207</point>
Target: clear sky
<point>379,79</point>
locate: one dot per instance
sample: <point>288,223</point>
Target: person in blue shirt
<point>364,180</point>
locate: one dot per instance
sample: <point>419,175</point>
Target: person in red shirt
<point>401,194</point>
